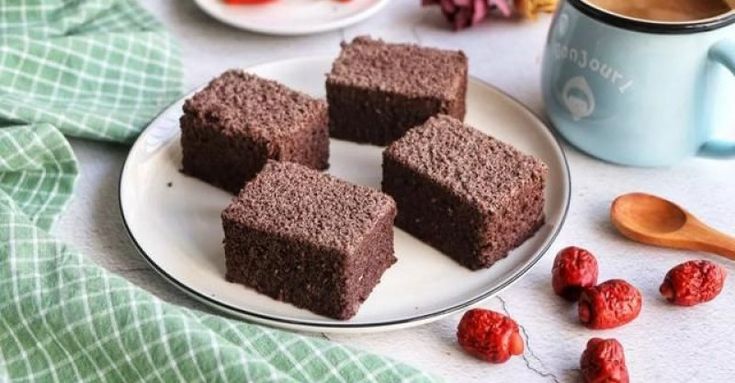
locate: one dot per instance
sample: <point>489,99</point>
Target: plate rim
<point>330,26</point>
<point>345,326</point>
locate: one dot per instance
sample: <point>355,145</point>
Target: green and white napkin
<point>101,69</point>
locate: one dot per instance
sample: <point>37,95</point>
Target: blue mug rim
<point>641,25</point>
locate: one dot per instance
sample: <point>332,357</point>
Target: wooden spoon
<point>649,219</point>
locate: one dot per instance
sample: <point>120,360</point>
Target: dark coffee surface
<point>665,10</point>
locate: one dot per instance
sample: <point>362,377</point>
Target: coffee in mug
<point>665,10</point>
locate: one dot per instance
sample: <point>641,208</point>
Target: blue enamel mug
<point>638,92</point>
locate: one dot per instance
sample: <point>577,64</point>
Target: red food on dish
<point>489,336</point>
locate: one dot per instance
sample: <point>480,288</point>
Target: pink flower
<point>466,13</point>
<point>502,6</point>
<point>462,13</point>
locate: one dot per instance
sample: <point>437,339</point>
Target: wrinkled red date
<point>574,269</point>
<point>489,335</point>
<point>610,304</point>
<point>693,282</point>
<point>603,361</point>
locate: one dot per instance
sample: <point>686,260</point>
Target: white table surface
<point>665,344</point>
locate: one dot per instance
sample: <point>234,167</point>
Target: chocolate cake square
<point>467,194</point>
<point>237,122</point>
<point>377,91</point>
<point>308,238</point>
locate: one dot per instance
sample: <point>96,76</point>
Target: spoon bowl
<point>656,221</point>
<point>649,213</point>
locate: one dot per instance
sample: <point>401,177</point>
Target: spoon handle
<point>713,241</point>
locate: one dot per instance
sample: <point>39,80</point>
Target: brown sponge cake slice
<point>377,91</point>
<point>237,122</point>
<point>467,194</point>
<point>310,239</point>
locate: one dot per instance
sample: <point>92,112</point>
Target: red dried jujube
<point>574,269</point>
<point>603,361</point>
<point>610,304</point>
<point>489,336</point>
<point>693,282</point>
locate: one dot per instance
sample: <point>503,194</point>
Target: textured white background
<point>665,344</point>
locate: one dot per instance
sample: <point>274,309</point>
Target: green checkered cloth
<point>101,69</point>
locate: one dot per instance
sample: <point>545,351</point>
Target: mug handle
<point>723,52</point>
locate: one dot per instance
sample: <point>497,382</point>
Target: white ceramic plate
<point>175,220</point>
<point>292,17</point>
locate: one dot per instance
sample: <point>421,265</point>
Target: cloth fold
<point>101,69</point>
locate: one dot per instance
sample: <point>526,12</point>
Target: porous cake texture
<point>237,122</point>
<point>310,239</point>
<point>377,91</point>
<point>467,194</point>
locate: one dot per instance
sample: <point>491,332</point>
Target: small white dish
<point>174,219</point>
<point>292,17</point>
